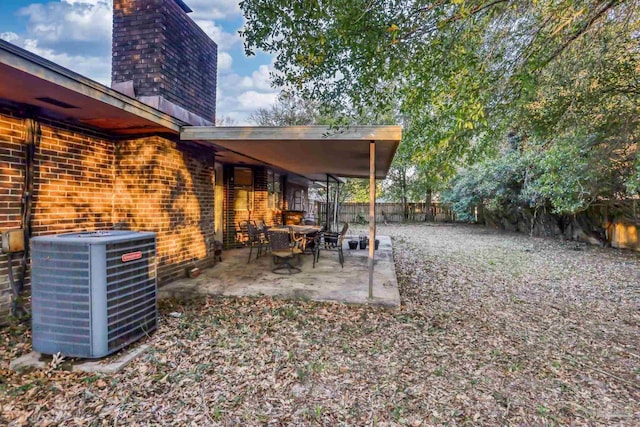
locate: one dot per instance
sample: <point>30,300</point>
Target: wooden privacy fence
<point>388,212</point>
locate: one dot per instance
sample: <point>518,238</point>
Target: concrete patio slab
<point>326,282</point>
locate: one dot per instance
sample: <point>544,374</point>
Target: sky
<point>77,34</point>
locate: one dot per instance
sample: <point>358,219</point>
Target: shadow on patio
<point>326,282</point>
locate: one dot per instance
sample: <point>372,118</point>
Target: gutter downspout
<point>32,139</point>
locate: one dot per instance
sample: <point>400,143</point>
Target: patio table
<point>297,229</point>
<point>307,232</point>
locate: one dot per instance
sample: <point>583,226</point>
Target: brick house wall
<point>260,196</point>
<point>11,185</point>
<point>261,211</point>
<point>73,181</point>
<point>167,188</point>
<point>73,178</point>
<point>164,53</point>
<point>86,181</point>
<point>234,217</point>
<point>229,229</point>
<point>272,216</point>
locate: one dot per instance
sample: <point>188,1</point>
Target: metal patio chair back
<point>282,253</point>
<point>332,242</point>
<point>265,236</point>
<point>255,240</point>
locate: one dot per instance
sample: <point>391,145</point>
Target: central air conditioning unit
<point>93,293</point>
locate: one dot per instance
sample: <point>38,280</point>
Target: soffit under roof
<point>34,82</point>
<point>310,151</point>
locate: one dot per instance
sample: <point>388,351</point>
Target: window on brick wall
<point>273,189</point>
<point>243,188</point>
<point>298,200</point>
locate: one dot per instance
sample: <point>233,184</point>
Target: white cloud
<point>225,61</point>
<point>239,96</point>
<point>73,33</point>
<point>219,9</point>
<point>252,100</point>
<point>70,24</point>
<point>240,105</point>
<point>10,37</point>
<point>88,2</point>
<point>260,79</point>
<point>223,39</point>
<point>96,67</point>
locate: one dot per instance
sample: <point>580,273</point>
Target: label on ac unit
<point>131,256</point>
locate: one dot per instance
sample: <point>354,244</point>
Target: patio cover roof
<point>29,80</point>
<point>314,152</point>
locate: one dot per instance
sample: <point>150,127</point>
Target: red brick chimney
<point>161,57</point>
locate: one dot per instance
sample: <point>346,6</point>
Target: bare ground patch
<point>495,329</point>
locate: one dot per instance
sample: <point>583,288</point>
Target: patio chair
<point>265,236</point>
<point>255,240</point>
<point>311,243</point>
<point>298,242</point>
<point>331,242</point>
<point>282,253</point>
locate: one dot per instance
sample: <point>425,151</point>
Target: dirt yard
<point>495,329</point>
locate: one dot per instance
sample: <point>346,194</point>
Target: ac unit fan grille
<point>131,291</point>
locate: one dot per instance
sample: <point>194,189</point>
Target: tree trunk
<point>427,200</point>
<point>403,189</point>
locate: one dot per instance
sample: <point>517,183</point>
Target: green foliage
<point>566,177</point>
<point>462,74</point>
<point>633,183</point>
<point>496,184</point>
<point>355,190</point>
<point>413,176</point>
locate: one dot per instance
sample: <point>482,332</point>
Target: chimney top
<point>163,58</point>
<point>184,6</point>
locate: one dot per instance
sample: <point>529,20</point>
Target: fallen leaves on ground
<point>495,329</point>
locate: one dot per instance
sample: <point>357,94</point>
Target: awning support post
<point>327,205</point>
<point>335,206</point>
<point>372,212</point>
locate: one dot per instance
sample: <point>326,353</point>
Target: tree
<point>562,76</point>
<point>355,190</point>
<point>226,121</point>
<point>289,110</point>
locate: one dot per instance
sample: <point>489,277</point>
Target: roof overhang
<point>314,152</point>
<point>32,81</point>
